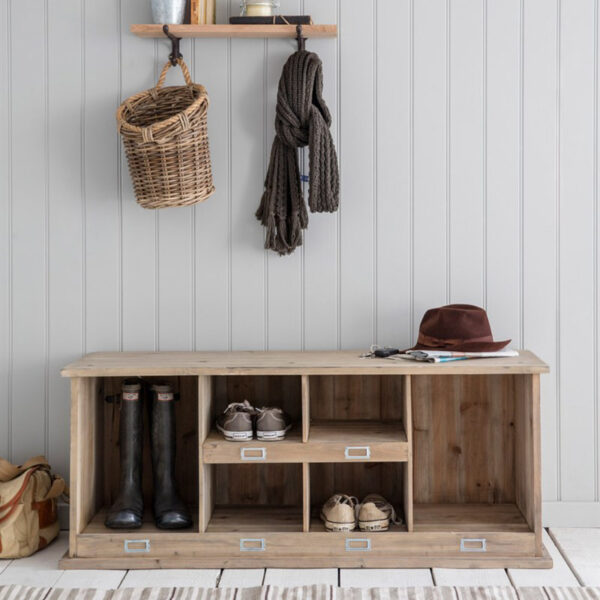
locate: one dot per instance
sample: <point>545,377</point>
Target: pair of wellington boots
<point>127,512</point>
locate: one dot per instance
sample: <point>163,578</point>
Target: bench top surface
<point>346,362</point>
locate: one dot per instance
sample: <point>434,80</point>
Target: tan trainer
<point>375,514</point>
<point>339,513</point>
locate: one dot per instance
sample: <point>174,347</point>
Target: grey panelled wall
<point>467,133</point>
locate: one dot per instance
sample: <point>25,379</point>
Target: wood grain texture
<point>285,363</point>
<point>234,31</point>
<point>463,439</point>
<point>528,487</point>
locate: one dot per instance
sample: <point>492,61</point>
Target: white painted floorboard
<point>470,577</point>
<point>4,564</point>
<point>582,549</point>
<point>241,578</point>
<point>560,575</point>
<point>299,577</point>
<point>367,578</point>
<point>40,569</point>
<point>102,580</point>
<point>171,578</point>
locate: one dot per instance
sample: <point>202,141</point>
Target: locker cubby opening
<point>372,402</point>
<point>282,391</point>
<point>104,464</point>
<point>359,480</point>
<point>257,497</point>
<point>470,442</point>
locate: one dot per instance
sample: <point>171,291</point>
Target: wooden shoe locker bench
<point>455,447</point>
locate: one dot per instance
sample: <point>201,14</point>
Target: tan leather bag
<point>28,515</point>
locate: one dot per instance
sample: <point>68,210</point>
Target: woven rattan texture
<point>164,131</point>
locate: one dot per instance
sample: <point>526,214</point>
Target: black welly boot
<point>169,510</point>
<point>128,510</point>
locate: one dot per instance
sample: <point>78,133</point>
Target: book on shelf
<point>202,12</point>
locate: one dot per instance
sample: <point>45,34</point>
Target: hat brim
<point>466,347</point>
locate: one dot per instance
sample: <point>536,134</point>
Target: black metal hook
<point>175,54</point>
<point>300,38</point>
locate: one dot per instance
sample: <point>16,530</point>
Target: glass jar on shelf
<point>259,9</point>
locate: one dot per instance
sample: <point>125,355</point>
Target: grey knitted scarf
<point>302,118</point>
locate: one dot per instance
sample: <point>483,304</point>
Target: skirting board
<point>571,514</point>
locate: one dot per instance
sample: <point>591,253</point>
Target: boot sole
<point>236,436</point>
<point>272,436</point>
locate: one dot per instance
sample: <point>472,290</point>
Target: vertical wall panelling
<point>65,216</point>
<point>467,132</point>
<point>430,156</point>
<point>576,250</point>
<point>101,176</point>
<point>596,248</point>
<point>175,250</point>
<point>213,234</point>
<point>138,228</point>
<point>540,163</point>
<point>5,232</point>
<point>321,276</point>
<point>393,148</point>
<point>465,143</point>
<point>284,274</point>
<point>357,158</point>
<point>29,227</point>
<point>502,167</point>
<point>247,163</point>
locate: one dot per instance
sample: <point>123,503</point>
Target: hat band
<point>433,342</point>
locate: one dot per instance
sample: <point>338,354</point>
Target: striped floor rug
<point>315,592</point>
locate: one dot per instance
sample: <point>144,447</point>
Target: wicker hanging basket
<point>164,132</point>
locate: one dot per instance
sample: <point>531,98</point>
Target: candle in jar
<point>259,10</point>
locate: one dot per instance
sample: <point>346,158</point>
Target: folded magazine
<point>439,356</point>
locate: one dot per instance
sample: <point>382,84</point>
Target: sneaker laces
<point>383,505</point>
<point>244,406</point>
<point>352,501</point>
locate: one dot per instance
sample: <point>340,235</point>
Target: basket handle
<point>163,75</point>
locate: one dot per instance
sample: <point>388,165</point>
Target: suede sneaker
<point>272,424</point>
<point>375,514</point>
<point>235,423</point>
<point>339,513</point>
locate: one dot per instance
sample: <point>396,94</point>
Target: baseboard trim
<point>571,514</point>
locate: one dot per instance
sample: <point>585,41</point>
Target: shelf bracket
<point>175,53</point>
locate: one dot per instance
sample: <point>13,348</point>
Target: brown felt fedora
<point>459,328</point>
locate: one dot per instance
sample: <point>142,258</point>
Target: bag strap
<point>8,471</point>
<point>168,65</point>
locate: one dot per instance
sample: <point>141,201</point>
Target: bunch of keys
<point>380,352</point>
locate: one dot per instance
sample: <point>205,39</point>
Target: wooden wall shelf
<point>454,447</point>
<point>235,31</point>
